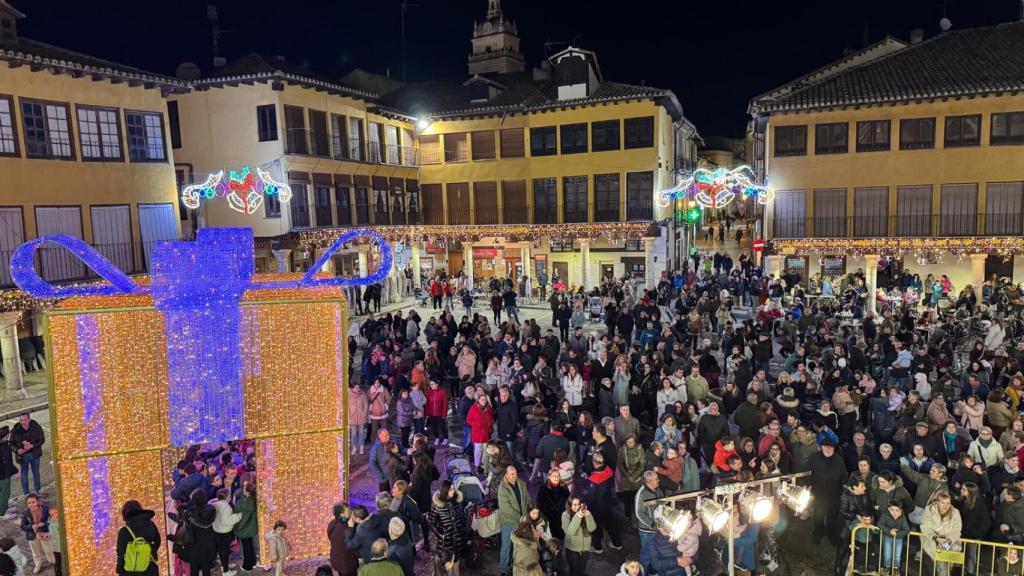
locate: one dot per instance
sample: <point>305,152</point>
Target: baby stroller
<point>481,535</point>
<point>460,472</point>
<point>596,308</point>
<point>421,296</point>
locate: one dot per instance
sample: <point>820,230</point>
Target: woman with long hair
<point>344,561</point>
<point>526,551</point>
<point>551,499</point>
<point>975,516</point>
<point>448,523</point>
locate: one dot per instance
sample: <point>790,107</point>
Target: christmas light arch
<point>716,188</point>
<point>243,189</point>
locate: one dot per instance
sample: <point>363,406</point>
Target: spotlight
<point>756,505</point>
<point>422,123</point>
<point>712,514</point>
<point>673,521</point>
<point>796,497</point>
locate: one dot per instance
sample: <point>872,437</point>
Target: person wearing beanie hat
<point>400,548</point>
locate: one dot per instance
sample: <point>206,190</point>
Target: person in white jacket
<point>995,335</point>
<point>985,450</point>
<point>223,526</point>
<point>572,385</point>
<point>7,546</point>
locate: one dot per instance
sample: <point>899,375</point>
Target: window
<point>917,133</point>
<point>391,142</point>
<point>790,140</point>
<point>363,205</point>
<point>606,198</point>
<point>962,131</point>
<point>295,131</point>
<point>318,138</point>
<point>561,244</point>
<point>639,196</point>
<point>300,205</point>
<point>413,196</point>
<point>8,129</point>
<point>871,212</point>
<point>339,139</point>
<point>99,133</point>
<point>913,210</point>
<point>380,200</point>
<point>266,122</point>
<point>430,149</point>
<point>458,203</point>
<point>574,138</point>
<point>512,143</point>
<point>272,206</point>
<point>47,130</point>
<point>1004,207</point>
<point>485,205</point>
<point>604,135</point>
<point>343,196</point>
<point>831,138</point>
<point>322,201</point>
<point>1007,128</point>
<point>830,213</point>
<point>576,198</point>
<point>483,145</point>
<point>514,209</point>
<point>789,219</point>
<point>355,139</point>
<point>456,148</point>
<point>174,123</point>
<point>373,143</point>
<point>872,136</point>
<point>543,141</point>
<point>145,136</point>
<point>639,132</point>
<point>545,201</point>
<point>433,204</point>
<point>958,208</point>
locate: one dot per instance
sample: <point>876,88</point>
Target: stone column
<point>417,278</point>
<point>467,263</point>
<point>871,280</point>
<point>283,264</point>
<point>527,266</point>
<point>585,262</point>
<point>650,282</point>
<point>10,353</point>
<point>978,274</point>
<point>772,265</point>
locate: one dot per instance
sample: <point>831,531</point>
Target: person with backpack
<point>137,541</point>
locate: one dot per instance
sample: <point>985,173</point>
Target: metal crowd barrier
<point>871,554</point>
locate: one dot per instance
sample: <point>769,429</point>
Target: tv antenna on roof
<point>550,45</point>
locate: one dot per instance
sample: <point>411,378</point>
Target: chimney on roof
<point>916,35</point>
<point>9,15</point>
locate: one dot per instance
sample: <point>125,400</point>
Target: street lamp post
<point>716,506</point>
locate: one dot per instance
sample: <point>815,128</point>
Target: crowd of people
<point>720,373</point>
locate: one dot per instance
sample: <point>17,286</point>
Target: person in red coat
<point>724,448</point>
<point>344,561</point>
<point>437,411</point>
<point>480,420</point>
<point>436,293</point>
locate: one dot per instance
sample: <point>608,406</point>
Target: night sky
<point>715,54</point>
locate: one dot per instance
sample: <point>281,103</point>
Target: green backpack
<point>137,554</point>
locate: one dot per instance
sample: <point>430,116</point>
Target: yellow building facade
<point>924,171</point>
<point>85,150</point>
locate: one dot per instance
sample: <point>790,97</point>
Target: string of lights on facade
<point>931,248</point>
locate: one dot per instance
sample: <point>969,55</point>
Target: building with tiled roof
<point>905,155</point>
<point>85,150</point>
<point>508,171</point>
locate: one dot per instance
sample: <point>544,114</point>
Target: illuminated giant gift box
<point>206,352</point>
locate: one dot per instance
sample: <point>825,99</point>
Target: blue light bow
<point>198,286</point>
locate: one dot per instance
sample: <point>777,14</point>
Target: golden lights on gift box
<point>294,354</point>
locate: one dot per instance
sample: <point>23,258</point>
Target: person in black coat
<point>362,532</point>
<point>601,500</point>
<point>7,469</point>
<point>27,441</point>
<point>828,475</point>
<point>563,316</point>
<point>201,553</point>
<point>506,416</point>
<point>138,523</point>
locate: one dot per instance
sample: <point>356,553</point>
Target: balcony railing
<point>903,225</point>
<point>364,151</point>
<point>56,264</point>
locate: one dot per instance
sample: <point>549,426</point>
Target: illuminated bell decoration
<point>243,189</point>
<point>716,188</point>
